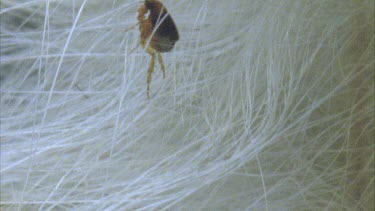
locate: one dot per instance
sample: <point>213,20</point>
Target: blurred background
<point>266,105</point>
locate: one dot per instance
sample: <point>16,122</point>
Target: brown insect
<point>158,33</point>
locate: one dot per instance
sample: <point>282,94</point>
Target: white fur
<point>267,105</point>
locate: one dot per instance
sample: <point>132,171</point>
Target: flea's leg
<point>130,28</point>
<point>161,63</point>
<point>131,50</point>
<point>150,70</point>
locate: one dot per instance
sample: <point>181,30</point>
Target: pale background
<point>267,105</point>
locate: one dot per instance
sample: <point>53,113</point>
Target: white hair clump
<point>267,105</point>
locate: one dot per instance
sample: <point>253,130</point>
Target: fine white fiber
<point>266,105</point>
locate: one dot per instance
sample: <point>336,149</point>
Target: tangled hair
<point>266,105</point>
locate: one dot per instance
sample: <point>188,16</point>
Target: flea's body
<point>158,33</point>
